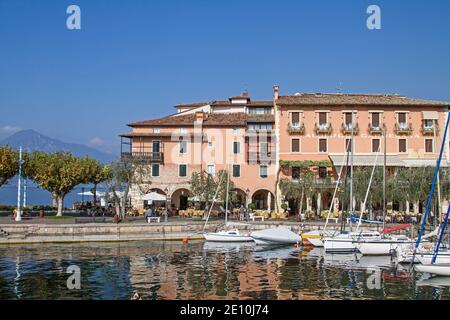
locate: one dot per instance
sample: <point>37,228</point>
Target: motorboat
<point>315,237</point>
<point>280,235</point>
<point>346,242</point>
<point>427,258</point>
<point>227,236</point>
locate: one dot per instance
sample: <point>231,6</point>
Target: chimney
<point>276,92</point>
<point>200,116</point>
<point>245,93</point>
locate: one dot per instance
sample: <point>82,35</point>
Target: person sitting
<point>149,214</point>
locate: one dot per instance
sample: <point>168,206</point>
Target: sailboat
<point>232,235</point>
<point>441,268</point>
<point>345,242</point>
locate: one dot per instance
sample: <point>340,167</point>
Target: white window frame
<point>214,169</point>
<point>371,145</point>
<point>425,145</point>
<point>318,145</point>
<point>299,146</point>
<point>267,170</point>
<point>179,147</point>
<point>398,145</point>
<point>232,170</point>
<point>156,130</point>
<point>179,166</point>
<point>159,169</point>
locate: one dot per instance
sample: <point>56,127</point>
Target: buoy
<point>185,240</point>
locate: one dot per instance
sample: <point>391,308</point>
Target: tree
<point>121,175</point>
<point>57,173</point>
<point>9,164</point>
<point>204,187</point>
<point>96,173</point>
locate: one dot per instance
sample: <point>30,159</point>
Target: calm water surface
<point>172,270</point>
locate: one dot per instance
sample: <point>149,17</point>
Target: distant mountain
<point>31,140</point>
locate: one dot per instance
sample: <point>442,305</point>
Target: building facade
<point>265,142</point>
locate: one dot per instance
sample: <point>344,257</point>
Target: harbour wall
<point>109,232</point>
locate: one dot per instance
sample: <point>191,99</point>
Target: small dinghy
<point>279,235</point>
<point>434,269</point>
<point>227,236</point>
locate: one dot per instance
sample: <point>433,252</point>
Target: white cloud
<point>96,142</point>
<point>9,129</point>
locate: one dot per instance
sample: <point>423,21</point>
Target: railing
<point>144,156</point>
<point>349,128</point>
<point>427,130</point>
<point>375,129</point>
<point>298,128</point>
<point>260,157</point>
<point>323,128</point>
<point>403,128</point>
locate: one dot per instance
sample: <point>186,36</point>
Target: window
<point>260,110</point>
<point>236,130</point>
<point>402,145</point>
<point>211,169</point>
<point>156,130</point>
<point>323,145</point>
<point>183,146</point>
<point>375,145</point>
<point>183,130</point>
<point>156,146</point>
<point>236,147</point>
<point>402,118</point>
<point>210,144</point>
<point>295,147</point>
<point>155,170</point>
<point>322,118</point>
<point>260,126</point>
<point>348,145</point>
<point>323,172</point>
<point>263,171</point>
<point>428,124</point>
<point>264,148</point>
<point>182,170</point>
<point>236,170</point>
<point>376,119</point>
<point>348,119</point>
<point>295,119</point>
<point>429,145</point>
<point>295,173</point>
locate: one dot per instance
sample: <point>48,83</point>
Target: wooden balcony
<point>403,128</point>
<point>349,128</point>
<point>323,128</point>
<point>297,129</point>
<point>144,156</point>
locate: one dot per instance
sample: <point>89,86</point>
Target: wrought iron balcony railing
<point>403,128</point>
<point>348,128</point>
<point>144,156</point>
<point>298,128</point>
<point>324,128</point>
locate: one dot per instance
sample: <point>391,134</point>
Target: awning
<point>430,115</point>
<point>154,196</point>
<point>368,160</point>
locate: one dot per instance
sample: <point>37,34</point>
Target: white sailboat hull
<point>426,258</point>
<point>315,238</point>
<point>382,247</point>
<point>276,236</point>
<point>227,236</point>
<point>435,269</point>
<point>339,245</point>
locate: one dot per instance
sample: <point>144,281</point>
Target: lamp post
<point>166,213</point>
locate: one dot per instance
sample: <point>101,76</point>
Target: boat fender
<point>185,240</point>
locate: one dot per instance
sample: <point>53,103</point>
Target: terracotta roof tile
<point>213,119</point>
<point>355,99</point>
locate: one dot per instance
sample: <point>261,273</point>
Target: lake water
<point>198,270</point>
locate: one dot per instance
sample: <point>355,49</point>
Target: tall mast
<point>19,188</point>
<point>384,178</point>
<point>439,213</point>
<point>351,171</point>
<point>226,197</point>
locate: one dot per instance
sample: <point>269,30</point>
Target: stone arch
<point>180,198</point>
<point>263,199</point>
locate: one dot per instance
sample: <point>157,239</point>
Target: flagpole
<point>19,187</point>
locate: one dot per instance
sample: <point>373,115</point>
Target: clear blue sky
<point>134,60</point>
